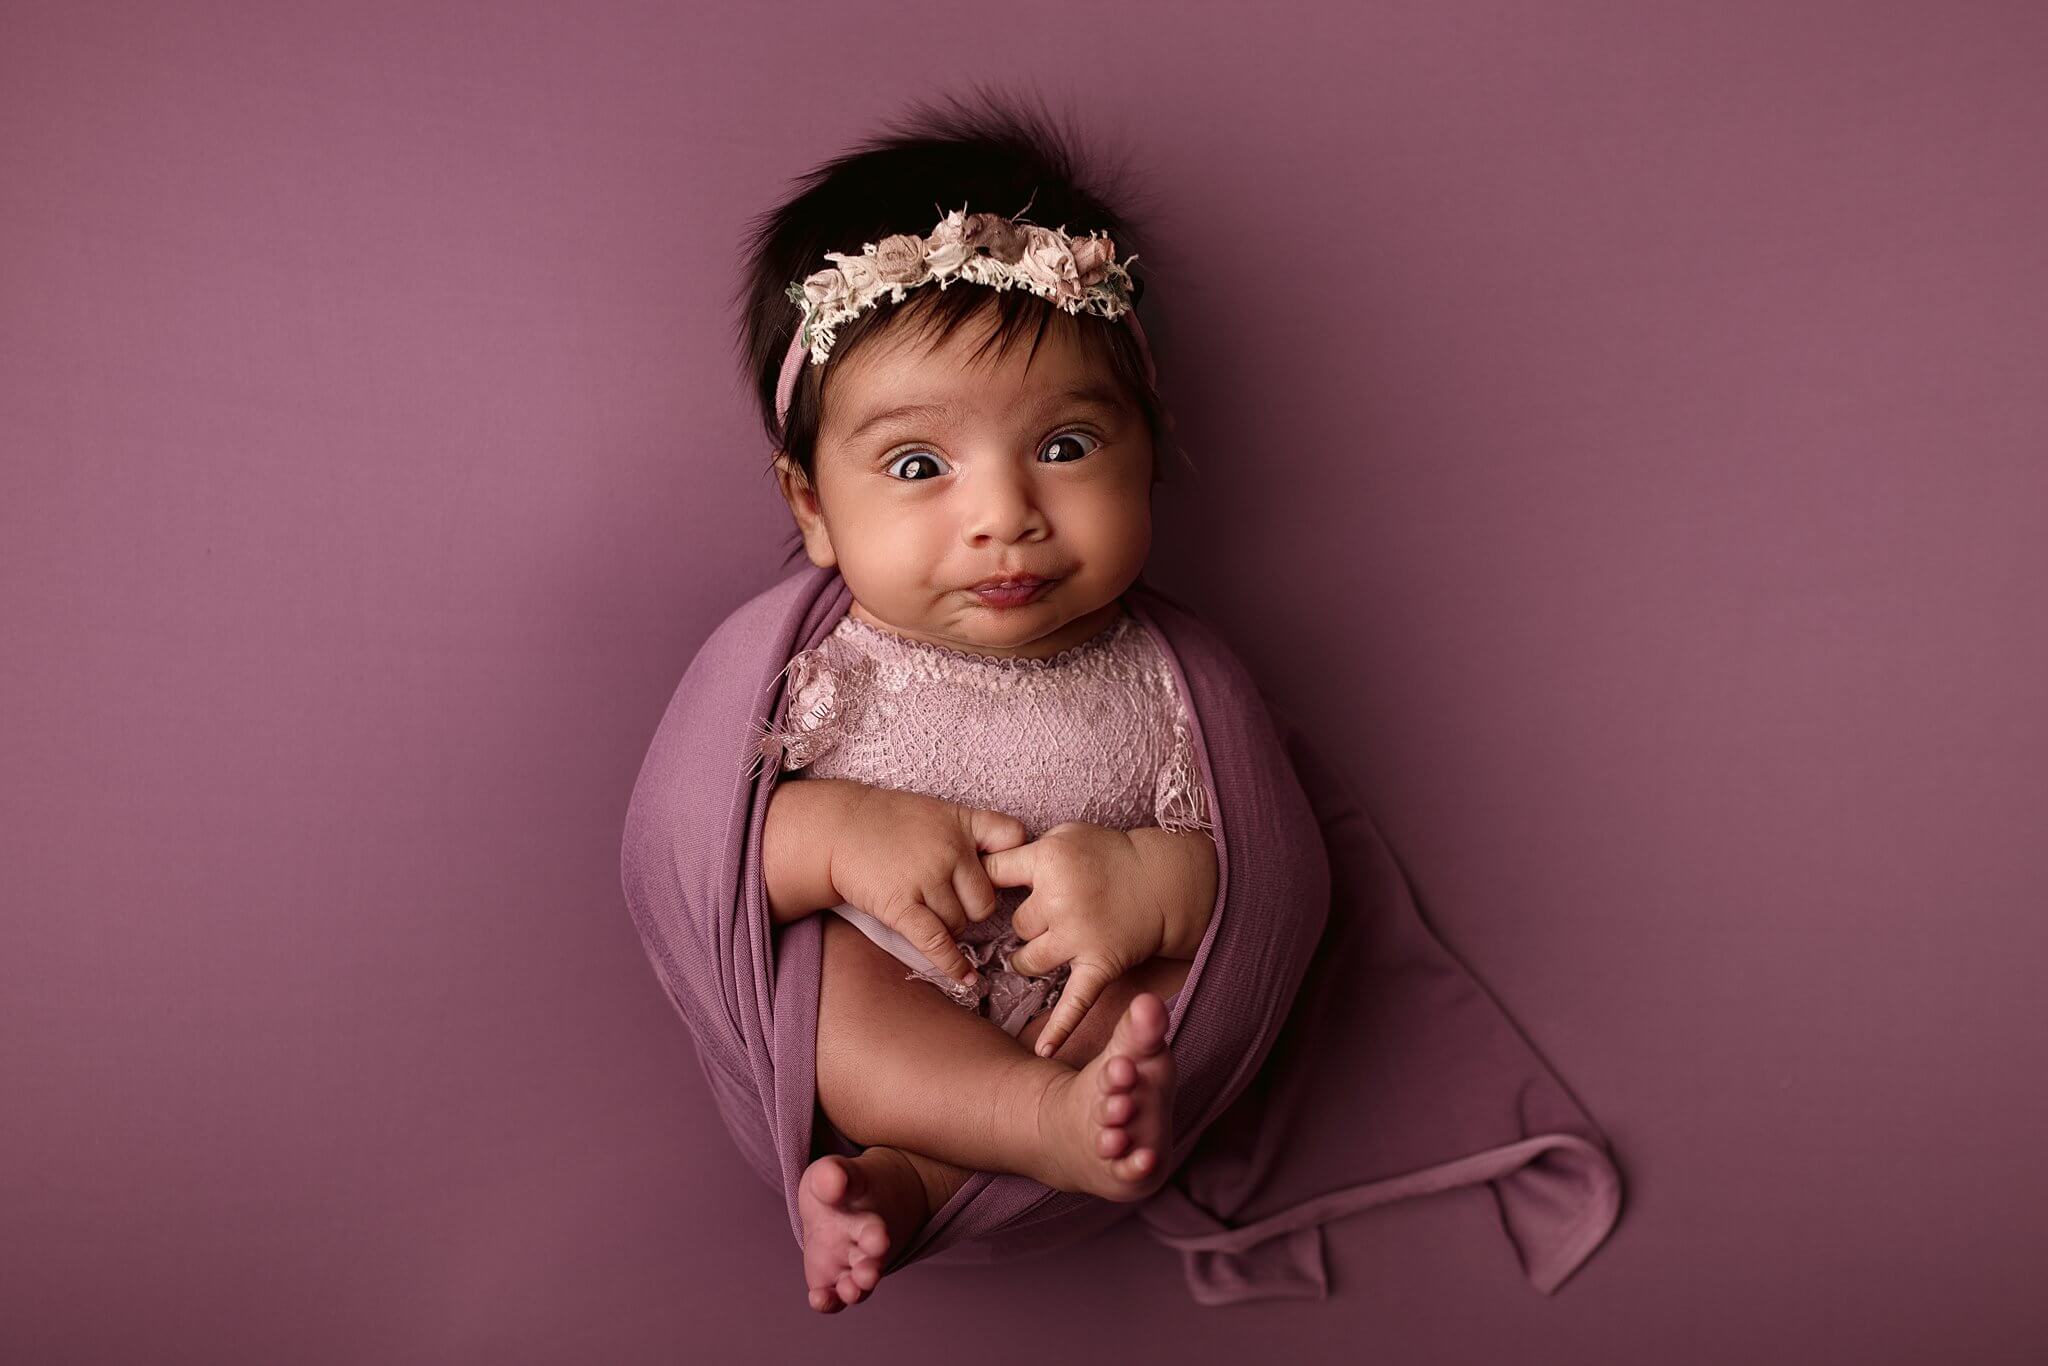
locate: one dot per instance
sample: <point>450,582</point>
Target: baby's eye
<point>925,456</point>
<point>1068,439</point>
<point>1071,440</point>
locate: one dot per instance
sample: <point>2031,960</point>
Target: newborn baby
<point>956,737</point>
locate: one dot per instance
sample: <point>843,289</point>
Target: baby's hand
<point>1092,903</point>
<point>914,863</point>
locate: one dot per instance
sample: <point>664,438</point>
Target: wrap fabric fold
<point>1331,1055</point>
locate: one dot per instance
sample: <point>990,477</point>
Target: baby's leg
<point>1161,976</point>
<point>938,1091</point>
<point>900,1064</point>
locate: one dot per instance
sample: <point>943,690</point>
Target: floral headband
<point>1080,274</point>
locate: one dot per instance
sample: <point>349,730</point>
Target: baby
<point>999,789</point>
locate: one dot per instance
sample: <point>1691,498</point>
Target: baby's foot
<point>1108,1127</point>
<point>856,1210</point>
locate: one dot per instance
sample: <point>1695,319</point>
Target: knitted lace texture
<point>1097,733</point>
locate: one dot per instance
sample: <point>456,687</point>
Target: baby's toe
<point>831,1181</point>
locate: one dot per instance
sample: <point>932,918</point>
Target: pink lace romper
<point>1097,732</point>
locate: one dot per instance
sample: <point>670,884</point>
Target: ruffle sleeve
<point>1178,802</point>
<point>822,702</point>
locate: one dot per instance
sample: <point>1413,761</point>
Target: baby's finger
<point>1027,920</point>
<point>944,903</point>
<point>995,830</point>
<point>935,941</point>
<point>1017,867</point>
<point>976,891</point>
<point>1084,984</point>
<point>1037,958</point>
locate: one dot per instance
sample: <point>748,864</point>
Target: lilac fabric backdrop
<point>1621,433</point>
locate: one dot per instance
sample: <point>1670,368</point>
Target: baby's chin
<point>1030,632</point>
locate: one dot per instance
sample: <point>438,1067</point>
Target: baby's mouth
<point>1014,593</point>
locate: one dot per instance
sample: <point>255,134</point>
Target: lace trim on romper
<point>1094,732</point>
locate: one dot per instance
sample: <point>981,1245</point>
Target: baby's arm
<point>1184,864</point>
<point>913,862</point>
<point>804,820</point>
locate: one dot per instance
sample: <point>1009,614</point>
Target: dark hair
<point>990,154</point>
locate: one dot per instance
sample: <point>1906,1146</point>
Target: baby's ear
<point>803,506</point>
<point>796,488</point>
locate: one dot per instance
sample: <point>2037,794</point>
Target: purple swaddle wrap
<point>1331,1054</point>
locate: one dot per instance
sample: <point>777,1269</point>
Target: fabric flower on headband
<point>1077,273</point>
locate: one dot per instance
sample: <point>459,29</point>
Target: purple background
<point>1621,433</point>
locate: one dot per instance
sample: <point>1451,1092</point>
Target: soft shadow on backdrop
<point>1619,434</point>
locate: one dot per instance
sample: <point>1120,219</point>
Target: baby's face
<point>1038,467</point>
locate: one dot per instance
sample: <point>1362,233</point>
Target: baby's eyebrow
<point>1091,392</point>
<point>898,414</point>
